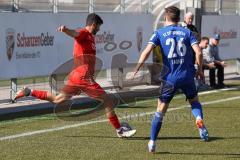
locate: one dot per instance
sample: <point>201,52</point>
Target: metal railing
<point>207,6</point>
<point>221,7</point>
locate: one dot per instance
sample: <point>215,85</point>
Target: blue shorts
<point>168,90</point>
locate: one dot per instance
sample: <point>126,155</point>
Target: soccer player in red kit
<point>80,79</point>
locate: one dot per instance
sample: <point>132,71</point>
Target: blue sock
<point>197,110</point>
<point>156,125</point>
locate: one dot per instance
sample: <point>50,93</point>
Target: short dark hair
<point>172,13</point>
<point>204,39</point>
<point>93,18</point>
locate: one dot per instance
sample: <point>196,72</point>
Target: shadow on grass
<point>159,138</point>
<point>233,155</point>
<point>233,86</point>
<point>179,138</point>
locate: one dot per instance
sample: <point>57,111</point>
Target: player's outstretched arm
<point>144,55</point>
<point>67,31</point>
<point>199,59</point>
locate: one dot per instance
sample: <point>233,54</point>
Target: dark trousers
<point>220,75</point>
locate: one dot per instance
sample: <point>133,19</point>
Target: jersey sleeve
<point>154,39</point>
<point>80,36</point>
<point>193,39</point>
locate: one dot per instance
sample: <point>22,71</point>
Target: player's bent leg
<point>167,93</point>
<point>108,102</point>
<point>198,114</point>
<point>157,124</point>
<point>94,90</point>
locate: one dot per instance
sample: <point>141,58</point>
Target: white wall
<point>38,59</point>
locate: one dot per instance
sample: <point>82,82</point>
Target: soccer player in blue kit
<point>178,72</point>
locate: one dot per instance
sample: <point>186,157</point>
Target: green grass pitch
<point>178,138</point>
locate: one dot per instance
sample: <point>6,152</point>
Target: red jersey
<point>81,77</point>
<point>84,53</point>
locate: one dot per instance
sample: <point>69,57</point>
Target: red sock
<point>114,121</point>
<point>39,94</point>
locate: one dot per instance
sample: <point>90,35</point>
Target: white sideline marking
<point>218,90</point>
<point>105,120</point>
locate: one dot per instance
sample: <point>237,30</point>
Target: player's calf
<point>25,92</point>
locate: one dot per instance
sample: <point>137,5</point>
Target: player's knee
<point>60,99</point>
<point>162,106</point>
<point>193,100</point>
<point>196,104</point>
<point>108,99</point>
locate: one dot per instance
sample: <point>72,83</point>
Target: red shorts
<point>77,84</point>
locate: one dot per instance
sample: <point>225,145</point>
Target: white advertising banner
<point>30,45</point>
<point>229,28</point>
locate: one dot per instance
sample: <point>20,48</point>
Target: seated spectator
<point>203,45</point>
<point>213,62</point>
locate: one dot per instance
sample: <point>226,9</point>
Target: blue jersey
<point>175,43</point>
